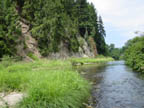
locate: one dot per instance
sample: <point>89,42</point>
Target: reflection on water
<point>115,86</point>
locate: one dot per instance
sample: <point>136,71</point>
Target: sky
<point>122,18</point>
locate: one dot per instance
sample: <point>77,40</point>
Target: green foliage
<point>51,22</point>
<point>52,84</point>
<point>100,37</point>
<point>134,53</point>
<point>9,28</point>
<point>74,45</point>
<point>115,53</point>
<point>81,41</point>
<point>61,89</point>
<point>59,21</point>
<point>98,59</point>
<point>32,56</point>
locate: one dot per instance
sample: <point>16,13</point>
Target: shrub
<point>134,54</point>
<point>32,56</point>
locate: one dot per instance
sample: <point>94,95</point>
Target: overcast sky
<point>121,19</point>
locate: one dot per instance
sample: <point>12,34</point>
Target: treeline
<point>9,28</point>
<point>134,53</point>
<point>51,22</point>
<point>116,53</point>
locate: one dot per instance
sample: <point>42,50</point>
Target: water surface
<point>115,86</point>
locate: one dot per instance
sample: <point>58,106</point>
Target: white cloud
<point>126,15</point>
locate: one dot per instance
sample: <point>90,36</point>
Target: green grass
<point>48,84</point>
<point>99,59</point>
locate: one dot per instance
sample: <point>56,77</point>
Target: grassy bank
<point>82,61</point>
<point>51,84</point>
<point>47,83</point>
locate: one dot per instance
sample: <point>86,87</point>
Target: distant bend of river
<point>115,86</point>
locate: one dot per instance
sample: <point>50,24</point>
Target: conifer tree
<point>101,27</point>
<point>51,22</point>
<point>9,28</point>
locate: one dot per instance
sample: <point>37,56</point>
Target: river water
<point>115,86</point>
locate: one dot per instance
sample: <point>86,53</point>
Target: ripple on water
<point>116,86</point>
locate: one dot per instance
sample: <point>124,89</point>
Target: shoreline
<point>47,81</point>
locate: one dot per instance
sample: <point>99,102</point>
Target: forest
<point>50,22</point>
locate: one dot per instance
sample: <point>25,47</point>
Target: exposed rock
<point>2,95</point>
<point>93,46</point>
<point>87,106</point>
<point>10,99</point>
<point>64,53</point>
<point>27,44</point>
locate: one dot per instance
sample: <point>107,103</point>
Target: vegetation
<point>9,28</point>
<point>51,22</point>
<point>134,53</point>
<point>32,56</point>
<point>46,83</point>
<point>52,84</point>
<point>99,59</point>
<point>116,53</point>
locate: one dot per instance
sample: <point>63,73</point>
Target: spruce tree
<point>51,22</point>
<point>9,28</point>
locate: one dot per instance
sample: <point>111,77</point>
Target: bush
<point>134,54</point>
<point>32,56</point>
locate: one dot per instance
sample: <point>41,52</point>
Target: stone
<point>11,99</point>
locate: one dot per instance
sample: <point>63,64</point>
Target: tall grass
<point>47,84</point>
<point>59,89</point>
<point>98,59</point>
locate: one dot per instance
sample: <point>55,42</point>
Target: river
<point>115,86</point>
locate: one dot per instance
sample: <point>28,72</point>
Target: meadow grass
<point>47,84</point>
<point>99,59</point>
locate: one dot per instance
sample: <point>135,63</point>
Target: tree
<point>134,53</point>
<point>9,31</point>
<point>51,22</point>
<point>101,27</point>
<point>115,53</point>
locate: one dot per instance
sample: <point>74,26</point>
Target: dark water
<point>115,86</point>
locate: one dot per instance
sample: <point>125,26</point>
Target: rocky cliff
<point>84,51</point>
<point>49,28</point>
<point>27,44</point>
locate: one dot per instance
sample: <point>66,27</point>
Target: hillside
<point>49,28</point>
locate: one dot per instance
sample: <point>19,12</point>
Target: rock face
<point>87,50</point>
<point>27,43</point>
<point>84,51</point>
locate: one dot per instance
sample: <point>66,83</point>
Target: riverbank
<point>46,83</point>
<point>134,54</point>
<point>83,61</point>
